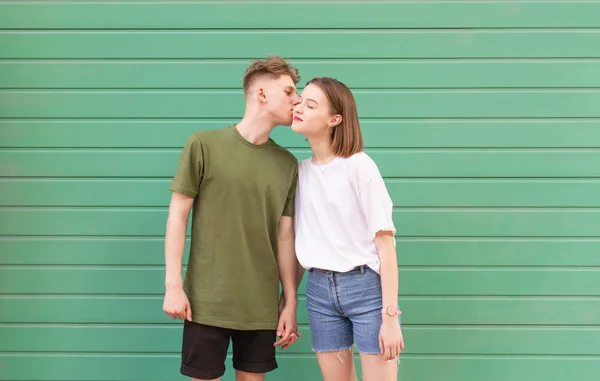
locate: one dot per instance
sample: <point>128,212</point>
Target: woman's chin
<point>296,127</point>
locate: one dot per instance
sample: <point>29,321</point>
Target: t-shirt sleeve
<point>190,169</point>
<point>288,210</point>
<point>375,200</point>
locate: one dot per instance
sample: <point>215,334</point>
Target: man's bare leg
<point>245,376</point>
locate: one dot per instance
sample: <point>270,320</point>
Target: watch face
<point>391,311</point>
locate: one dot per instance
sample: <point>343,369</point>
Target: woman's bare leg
<point>337,366</point>
<point>376,368</point>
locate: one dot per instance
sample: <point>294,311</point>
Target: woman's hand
<point>391,341</point>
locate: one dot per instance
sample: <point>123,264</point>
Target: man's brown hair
<point>346,137</point>
<point>272,66</point>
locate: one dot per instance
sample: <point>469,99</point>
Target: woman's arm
<point>391,341</point>
<point>377,207</point>
<point>384,240</point>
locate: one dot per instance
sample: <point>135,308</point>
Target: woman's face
<point>312,116</point>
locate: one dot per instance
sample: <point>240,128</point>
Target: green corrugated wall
<point>484,117</point>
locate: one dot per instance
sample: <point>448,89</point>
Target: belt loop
<point>362,270</point>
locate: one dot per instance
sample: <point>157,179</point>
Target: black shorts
<point>205,350</point>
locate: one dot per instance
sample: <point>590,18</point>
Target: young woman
<point>345,239</point>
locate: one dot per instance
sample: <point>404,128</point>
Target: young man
<point>241,185</point>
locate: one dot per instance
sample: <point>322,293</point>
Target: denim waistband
<point>360,269</point>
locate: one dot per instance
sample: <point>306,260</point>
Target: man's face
<point>281,97</point>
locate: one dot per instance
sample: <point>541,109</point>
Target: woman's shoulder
<point>361,161</point>
<point>362,169</point>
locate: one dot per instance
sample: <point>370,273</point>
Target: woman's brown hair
<point>346,137</point>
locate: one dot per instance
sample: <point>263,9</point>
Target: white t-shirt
<point>340,207</point>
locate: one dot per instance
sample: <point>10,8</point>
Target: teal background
<point>483,116</point>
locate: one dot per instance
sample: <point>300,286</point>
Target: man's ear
<point>261,95</point>
<point>335,121</point>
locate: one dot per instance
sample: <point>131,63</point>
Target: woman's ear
<point>334,121</point>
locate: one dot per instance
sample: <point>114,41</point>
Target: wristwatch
<point>391,311</point>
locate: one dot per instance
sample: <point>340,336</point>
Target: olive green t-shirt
<point>241,190</point>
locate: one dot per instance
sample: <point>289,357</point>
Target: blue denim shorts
<point>344,308</point>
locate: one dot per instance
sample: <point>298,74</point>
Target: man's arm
<point>287,260</point>
<point>299,276</point>
<point>176,303</point>
<point>286,257</point>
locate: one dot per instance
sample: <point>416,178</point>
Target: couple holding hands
<point>260,219</point>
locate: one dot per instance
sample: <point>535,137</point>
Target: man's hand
<point>287,329</point>
<point>176,304</point>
